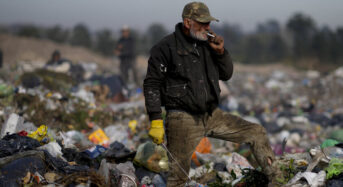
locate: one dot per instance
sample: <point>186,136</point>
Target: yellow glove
<point>156,131</point>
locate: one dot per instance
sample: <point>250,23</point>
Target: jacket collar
<point>185,44</point>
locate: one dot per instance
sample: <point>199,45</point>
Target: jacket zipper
<point>178,85</point>
<point>205,94</point>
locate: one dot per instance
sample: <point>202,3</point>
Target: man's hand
<point>118,49</point>
<point>217,43</point>
<point>156,131</point>
<point>116,52</point>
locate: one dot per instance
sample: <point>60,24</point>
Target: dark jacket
<point>181,78</point>
<point>127,50</point>
<point>0,58</point>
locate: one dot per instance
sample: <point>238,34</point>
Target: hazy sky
<point>97,14</point>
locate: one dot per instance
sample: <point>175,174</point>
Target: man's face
<point>56,57</point>
<point>199,30</point>
<point>125,33</point>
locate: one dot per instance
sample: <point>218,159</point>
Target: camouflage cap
<point>197,11</point>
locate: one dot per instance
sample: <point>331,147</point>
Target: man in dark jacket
<point>126,53</point>
<point>183,76</point>
<point>0,58</point>
<point>56,59</point>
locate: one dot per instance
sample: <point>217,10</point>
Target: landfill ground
<point>75,124</point>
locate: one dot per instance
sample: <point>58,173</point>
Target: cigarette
<point>210,35</point>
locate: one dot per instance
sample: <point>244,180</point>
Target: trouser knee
<point>260,131</point>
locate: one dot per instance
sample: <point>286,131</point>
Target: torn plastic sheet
<point>119,152</point>
<point>105,170</point>
<point>127,173</point>
<point>53,148</point>
<point>313,179</point>
<point>13,168</point>
<point>14,143</point>
<point>10,126</point>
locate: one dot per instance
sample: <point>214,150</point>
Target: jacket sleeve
<point>225,65</point>
<point>153,82</point>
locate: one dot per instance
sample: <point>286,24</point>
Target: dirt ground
<point>30,50</point>
<point>21,49</point>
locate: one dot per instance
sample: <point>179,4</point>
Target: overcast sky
<point>139,14</point>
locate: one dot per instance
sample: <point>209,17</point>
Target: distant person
<point>125,51</point>
<point>1,57</point>
<point>63,65</point>
<point>56,59</point>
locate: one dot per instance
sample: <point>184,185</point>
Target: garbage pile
<point>305,108</point>
<point>91,130</point>
<point>303,114</point>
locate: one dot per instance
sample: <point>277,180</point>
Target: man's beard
<point>198,35</point>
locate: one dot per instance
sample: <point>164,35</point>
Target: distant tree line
<point>300,38</point>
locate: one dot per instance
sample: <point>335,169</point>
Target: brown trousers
<point>184,132</point>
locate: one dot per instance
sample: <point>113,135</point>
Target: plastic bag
<point>329,143</point>
<point>11,124</point>
<point>99,137</point>
<point>118,133</point>
<point>53,148</point>
<point>152,157</point>
<point>337,135</point>
<point>104,170</point>
<point>127,173</point>
<point>41,135</point>
<point>335,167</point>
<point>203,147</point>
<point>95,151</point>
<point>6,90</point>
<point>313,179</point>
<point>133,125</point>
<point>16,167</point>
<point>14,143</point>
<point>118,152</point>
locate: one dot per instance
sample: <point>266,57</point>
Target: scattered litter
<point>95,130</point>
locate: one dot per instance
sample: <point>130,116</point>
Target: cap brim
<point>207,19</point>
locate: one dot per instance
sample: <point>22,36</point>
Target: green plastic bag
<point>337,135</point>
<point>335,167</point>
<point>329,143</point>
<point>6,90</point>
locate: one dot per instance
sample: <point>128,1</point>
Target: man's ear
<point>187,23</point>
